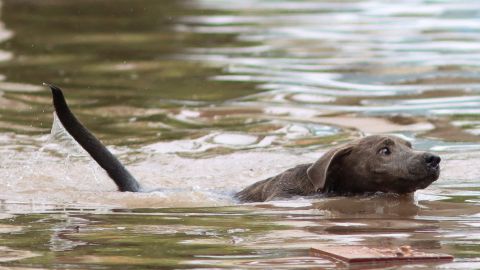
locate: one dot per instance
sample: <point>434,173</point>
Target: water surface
<point>201,98</point>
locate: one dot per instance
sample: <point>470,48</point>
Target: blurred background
<point>204,97</point>
<point>140,73</point>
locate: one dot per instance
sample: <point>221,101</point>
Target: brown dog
<point>371,164</point>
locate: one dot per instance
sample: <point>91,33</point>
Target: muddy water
<point>201,98</point>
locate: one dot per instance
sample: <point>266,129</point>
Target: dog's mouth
<point>417,181</point>
<point>433,173</point>
<point>434,168</point>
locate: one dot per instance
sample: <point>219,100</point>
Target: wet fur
<point>292,182</point>
<point>354,168</point>
<point>120,175</point>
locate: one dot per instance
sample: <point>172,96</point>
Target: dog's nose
<point>432,160</point>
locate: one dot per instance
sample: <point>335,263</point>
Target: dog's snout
<point>432,160</point>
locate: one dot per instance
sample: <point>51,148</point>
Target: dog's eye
<point>384,151</point>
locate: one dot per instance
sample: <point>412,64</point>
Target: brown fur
<point>360,166</point>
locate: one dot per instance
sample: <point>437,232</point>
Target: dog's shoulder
<point>292,182</point>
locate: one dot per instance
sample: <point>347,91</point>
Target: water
<point>201,98</point>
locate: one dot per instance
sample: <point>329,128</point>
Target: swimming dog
<point>377,163</point>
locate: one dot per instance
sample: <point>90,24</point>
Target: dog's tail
<point>120,175</point>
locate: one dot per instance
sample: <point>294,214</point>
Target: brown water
<point>202,98</point>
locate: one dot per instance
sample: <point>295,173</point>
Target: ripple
<point>235,139</point>
<point>254,88</point>
<point>8,254</point>
<point>373,49</point>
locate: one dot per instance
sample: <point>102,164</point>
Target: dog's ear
<point>318,171</point>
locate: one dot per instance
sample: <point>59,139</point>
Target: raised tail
<point>120,175</point>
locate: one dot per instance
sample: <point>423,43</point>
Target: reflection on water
<point>276,234</point>
<point>201,98</point>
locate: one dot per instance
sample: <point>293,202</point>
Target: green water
<point>204,97</point>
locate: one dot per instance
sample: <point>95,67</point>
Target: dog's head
<point>374,163</point>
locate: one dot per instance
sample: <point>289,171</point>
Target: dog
<point>377,163</point>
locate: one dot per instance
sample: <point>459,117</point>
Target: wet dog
<point>372,164</point>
